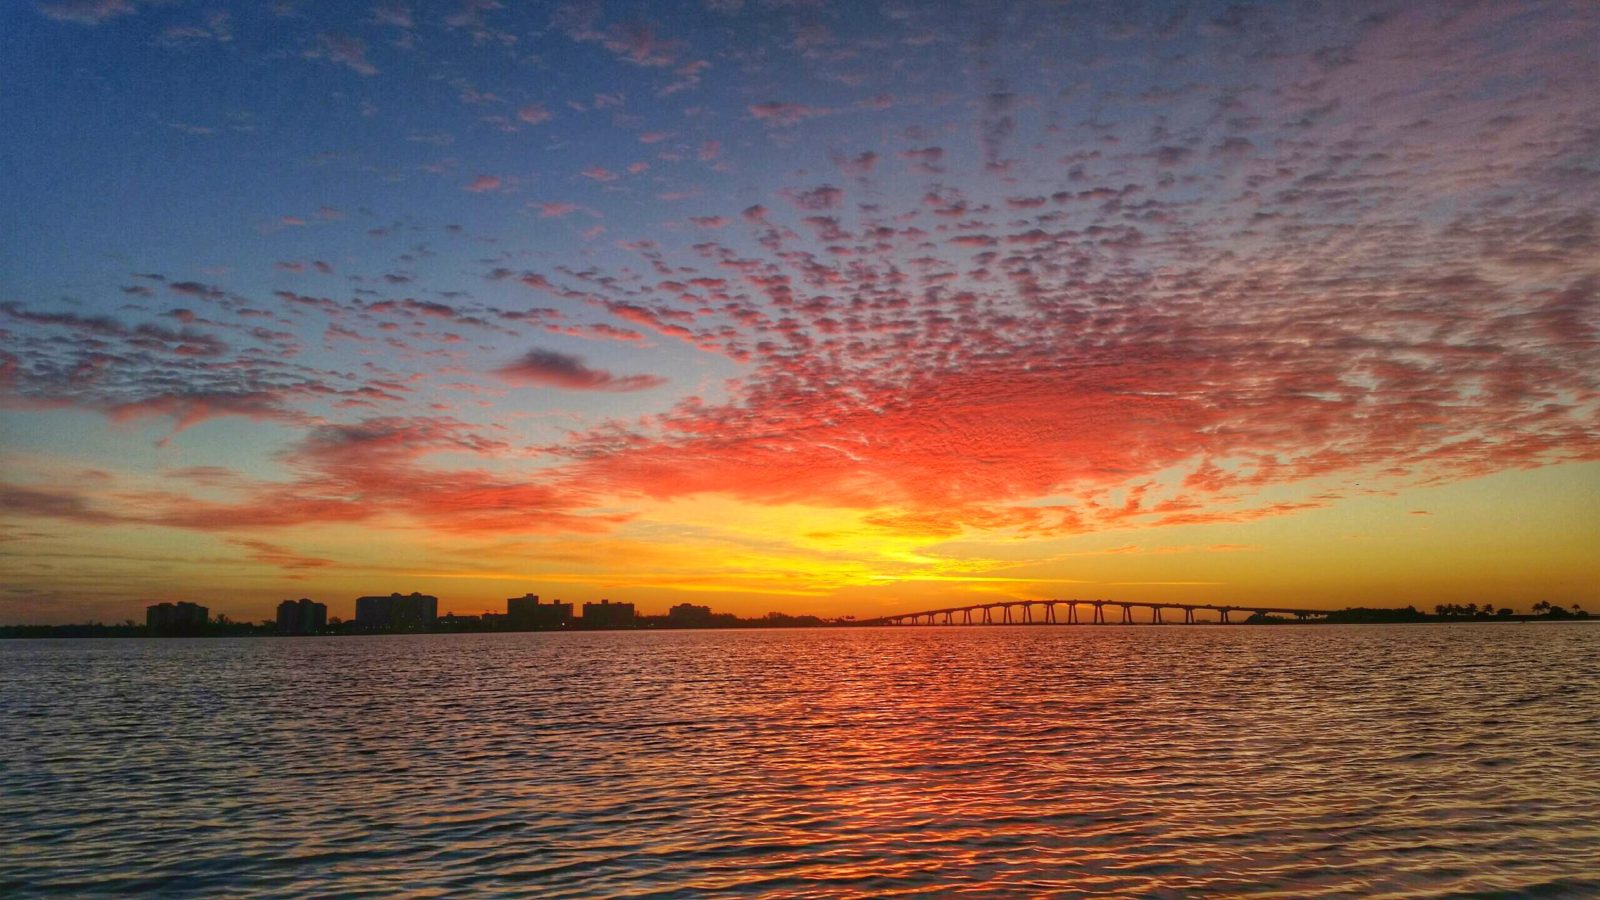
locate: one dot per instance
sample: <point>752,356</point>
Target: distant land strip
<point>690,617</point>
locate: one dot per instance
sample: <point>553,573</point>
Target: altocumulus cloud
<point>547,368</point>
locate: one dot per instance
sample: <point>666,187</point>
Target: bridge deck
<point>1027,607</point>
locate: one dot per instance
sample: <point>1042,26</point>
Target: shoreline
<point>95,631</point>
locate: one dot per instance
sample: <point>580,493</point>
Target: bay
<point>1289,761</point>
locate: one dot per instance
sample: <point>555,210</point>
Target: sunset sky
<point>822,307</point>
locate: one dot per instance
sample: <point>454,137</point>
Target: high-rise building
<point>606,614</point>
<point>527,612</point>
<point>399,612</point>
<point>689,615</point>
<point>176,618</point>
<point>302,616</point>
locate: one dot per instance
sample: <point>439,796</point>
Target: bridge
<point>1023,612</point>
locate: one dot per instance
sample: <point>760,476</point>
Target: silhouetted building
<point>606,614</point>
<point>302,616</point>
<point>689,615</point>
<point>527,612</point>
<point>397,611</point>
<point>176,618</point>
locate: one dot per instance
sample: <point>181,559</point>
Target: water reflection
<point>1294,761</point>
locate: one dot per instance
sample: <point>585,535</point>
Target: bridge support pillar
<point>1099,613</point>
<point>1127,614</point>
<point>1224,615</point>
<point>1188,615</point>
<point>988,617</point>
<point>1050,613</point>
<point>1005,613</point>
<point>1072,613</point>
<point>1155,615</point>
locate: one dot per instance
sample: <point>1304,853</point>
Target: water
<point>1276,761</point>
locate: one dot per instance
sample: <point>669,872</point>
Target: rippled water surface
<point>1279,761</point>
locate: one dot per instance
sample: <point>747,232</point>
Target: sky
<point>838,308</point>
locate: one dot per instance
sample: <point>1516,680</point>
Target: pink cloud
<point>785,114</point>
<point>860,164</point>
<point>927,160</point>
<point>639,44</point>
<point>345,473</point>
<point>818,198</point>
<point>547,368</point>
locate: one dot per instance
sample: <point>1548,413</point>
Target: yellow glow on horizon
<point>1511,539</point>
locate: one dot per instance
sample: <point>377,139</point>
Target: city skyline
<point>823,308</point>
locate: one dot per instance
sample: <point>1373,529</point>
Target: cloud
<point>397,15</point>
<point>533,114</point>
<point>278,555</point>
<point>372,470</point>
<point>785,114</point>
<point>639,44</point>
<point>821,197</point>
<point>547,368</point>
<point>483,184</point>
<point>85,12</point>
<point>635,42</point>
<point>218,27</point>
<point>191,408</point>
<point>1382,270</point>
<point>861,164</point>
<point>149,337</point>
<point>51,503</point>
<point>196,289</point>
<point>350,52</point>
